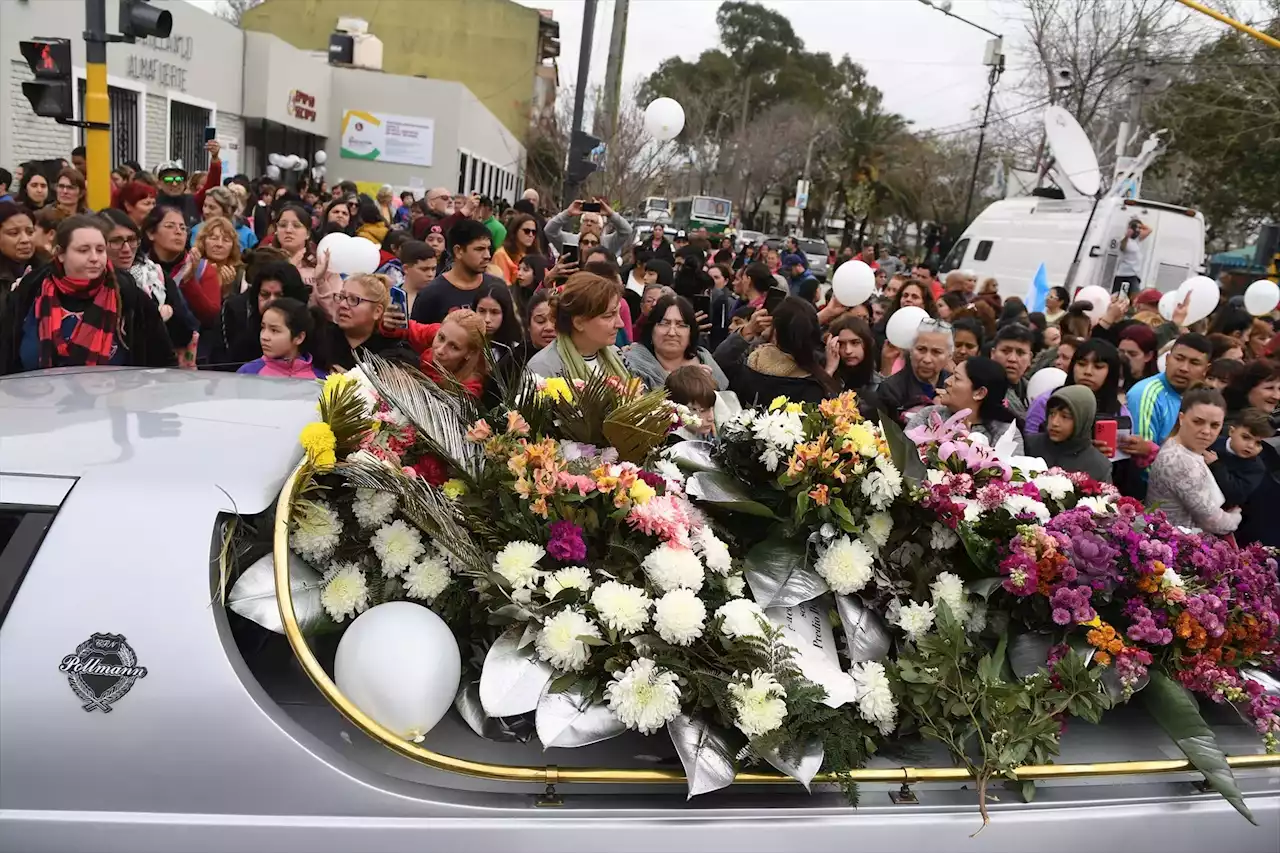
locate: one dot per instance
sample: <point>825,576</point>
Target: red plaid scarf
<point>94,336</point>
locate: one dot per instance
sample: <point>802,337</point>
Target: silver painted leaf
<point>693,456</point>
<point>1270,684</point>
<point>502,729</point>
<point>779,574</point>
<point>512,678</point>
<point>865,631</point>
<point>254,596</point>
<point>1081,646</point>
<point>568,719</point>
<point>705,752</point>
<point>803,767</point>
<point>725,491</point>
<point>1111,681</point>
<point>1029,653</point>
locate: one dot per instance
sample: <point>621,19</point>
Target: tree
<point>233,10</point>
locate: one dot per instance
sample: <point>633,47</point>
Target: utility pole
<point>607,123</point>
<point>584,70</point>
<point>97,106</point>
<point>995,58</point>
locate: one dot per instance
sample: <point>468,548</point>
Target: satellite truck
<point>1075,226</point>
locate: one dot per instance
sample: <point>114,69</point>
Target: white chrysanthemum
<point>1097,505</point>
<point>882,486</point>
<point>846,565</point>
<point>643,697</point>
<point>316,533</point>
<point>679,616</point>
<point>558,642</point>
<point>735,585</point>
<point>915,619</point>
<point>949,588</point>
<point>345,592</point>
<point>972,511</point>
<point>365,387</point>
<point>428,577</point>
<point>875,697</point>
<point>1170,579</point>
<point>1017,505</point>
<point>782,429</point>
<point>1054,486</point>
<point>714,552</point>
<point>621,607</point>
<point>879,528</point>
<point>518,563</point>
<point>741,618</point>
<point>573,577</point>
<point>671,473</point>
<point>759,703</point>
<point>942,537</point>
<point>372,507</point>
<point>397,546</point>
<point>670,567</point>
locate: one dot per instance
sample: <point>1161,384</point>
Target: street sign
<point>802,194</point>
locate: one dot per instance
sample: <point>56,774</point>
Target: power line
<point>935,134</point>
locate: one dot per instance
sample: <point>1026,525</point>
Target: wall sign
<point>387,138</point>
<point>102,669</point>
<point>301,105</point>
<point>158,69</point>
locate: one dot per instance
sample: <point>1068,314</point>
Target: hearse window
<point>983,251</point>
<point>954,258</point>
<point>22,529</point>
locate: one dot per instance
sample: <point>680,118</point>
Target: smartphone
<point>400,299</point>
<point>1105,431</point>
<point>569,255</point>
<point>1122,288</point>
<point>210,134</point>
<point>591,207</point>
<point>773,299</point>
<point>702,303</point>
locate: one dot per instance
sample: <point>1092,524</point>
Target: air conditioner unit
<point>367,52</point>
<point>352,26</point>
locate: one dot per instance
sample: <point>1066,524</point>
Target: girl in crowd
<point>540,320</point>
<point>522,236</point>
<point>47,220</point>
<point>17,244</point>
<point>33,191</point>
<point>287,330</point>
<point>791,364</point>
<point>851,360</point>
<point>137,200</point>
<point>966,338</point>
<point>979,386</point>
<point>435,238</point>
<point>1055,305</point>
<point>1181,483</point>
<point>124,240</point>
<point>337,217</point>
<point>371,227</point>
<point>291,232</point>
<point>76,311</point>
<point>1095,365</point>
<point>530,276</point>
<point>70,191</point>
<point>493,305</point>
<point>242,312</point>
<point>587,323</point>
<point>668,340</point>
<point>1137,347</point>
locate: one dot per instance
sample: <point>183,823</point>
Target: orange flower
<point>539,507</point>
<point>480,430</point>
<point>516,424</point>
<point>1102,659</point>
<point>820,495</point>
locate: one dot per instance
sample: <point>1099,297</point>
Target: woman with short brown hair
<point>587,323</point>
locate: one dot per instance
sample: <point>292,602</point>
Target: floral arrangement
<point>925,585</point>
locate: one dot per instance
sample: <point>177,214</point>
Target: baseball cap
<point>680,235</point>
<point>1149,296</point>
<point>170,166</point>
<point>791,259</point>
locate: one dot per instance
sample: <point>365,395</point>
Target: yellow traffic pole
<point>97,106</point>
<point>1232,22</point>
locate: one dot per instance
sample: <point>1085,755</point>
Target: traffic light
<point>585,154</point>
<point>50,61</point>
<point>139,19</point>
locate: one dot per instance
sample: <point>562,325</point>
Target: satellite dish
<point>1073,155</point>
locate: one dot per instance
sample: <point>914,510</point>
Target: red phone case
<point>1105,431</point>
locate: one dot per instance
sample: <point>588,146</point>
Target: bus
<point>702,211</point>
<point>656,208</point>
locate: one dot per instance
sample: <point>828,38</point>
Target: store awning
<point>1242,257</point>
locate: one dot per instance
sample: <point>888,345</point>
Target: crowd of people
<point>190,270</point>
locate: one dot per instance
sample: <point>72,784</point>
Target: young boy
<point>1067,441</point>
<point>695,387</point>
<point>1236,466</point>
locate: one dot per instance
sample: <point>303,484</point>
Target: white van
<point>1011,238</point>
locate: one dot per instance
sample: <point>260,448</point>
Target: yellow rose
<point>641,492</point>
<point>453,489</point>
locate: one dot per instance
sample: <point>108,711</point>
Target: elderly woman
<point>1181,483</point>
<point>668,340</point>
<point>221,202</point>
<point>587,322</point>
<point>78,312</point>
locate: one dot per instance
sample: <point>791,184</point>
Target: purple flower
<point>1061,617</point>
<point>566,543</point>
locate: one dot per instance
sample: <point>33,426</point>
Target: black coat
<point>902,392</point>
<point>143,335</point>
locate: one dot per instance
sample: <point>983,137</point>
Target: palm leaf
<point>440,416</point>
<point>428,510</point>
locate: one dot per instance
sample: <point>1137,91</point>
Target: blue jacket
<point>1154,405</point>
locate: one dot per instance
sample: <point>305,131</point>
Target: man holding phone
<point>597,217</point>
<point>173,182</point>
<point>1129,269</point>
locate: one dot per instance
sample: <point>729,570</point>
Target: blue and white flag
<point>1038,291</point>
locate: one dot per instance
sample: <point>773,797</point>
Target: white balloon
<point>1168,304</point>
<point>301,163</point>
<point>903,325</point>
<point>664,119</point>
<point>273,172</point>
<point>853,283</point>
<point>1262,297</point>
<point>355,256</point>
<point>1161,360</point>
<point>1204,297</point>
<point>277,160</point>
<point>321,157</point>
<point>1044,380</point>
<point>399,663</point>
<point>1098,297</point>
<point>332,244</point>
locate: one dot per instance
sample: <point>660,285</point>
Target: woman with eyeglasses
<point>358,308</point>
<point>70,191</point>
<point>668,340</point>
<point>77,312</point>
<point>978,386</point>
<point>522,236</point>
<point>124,241</point>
